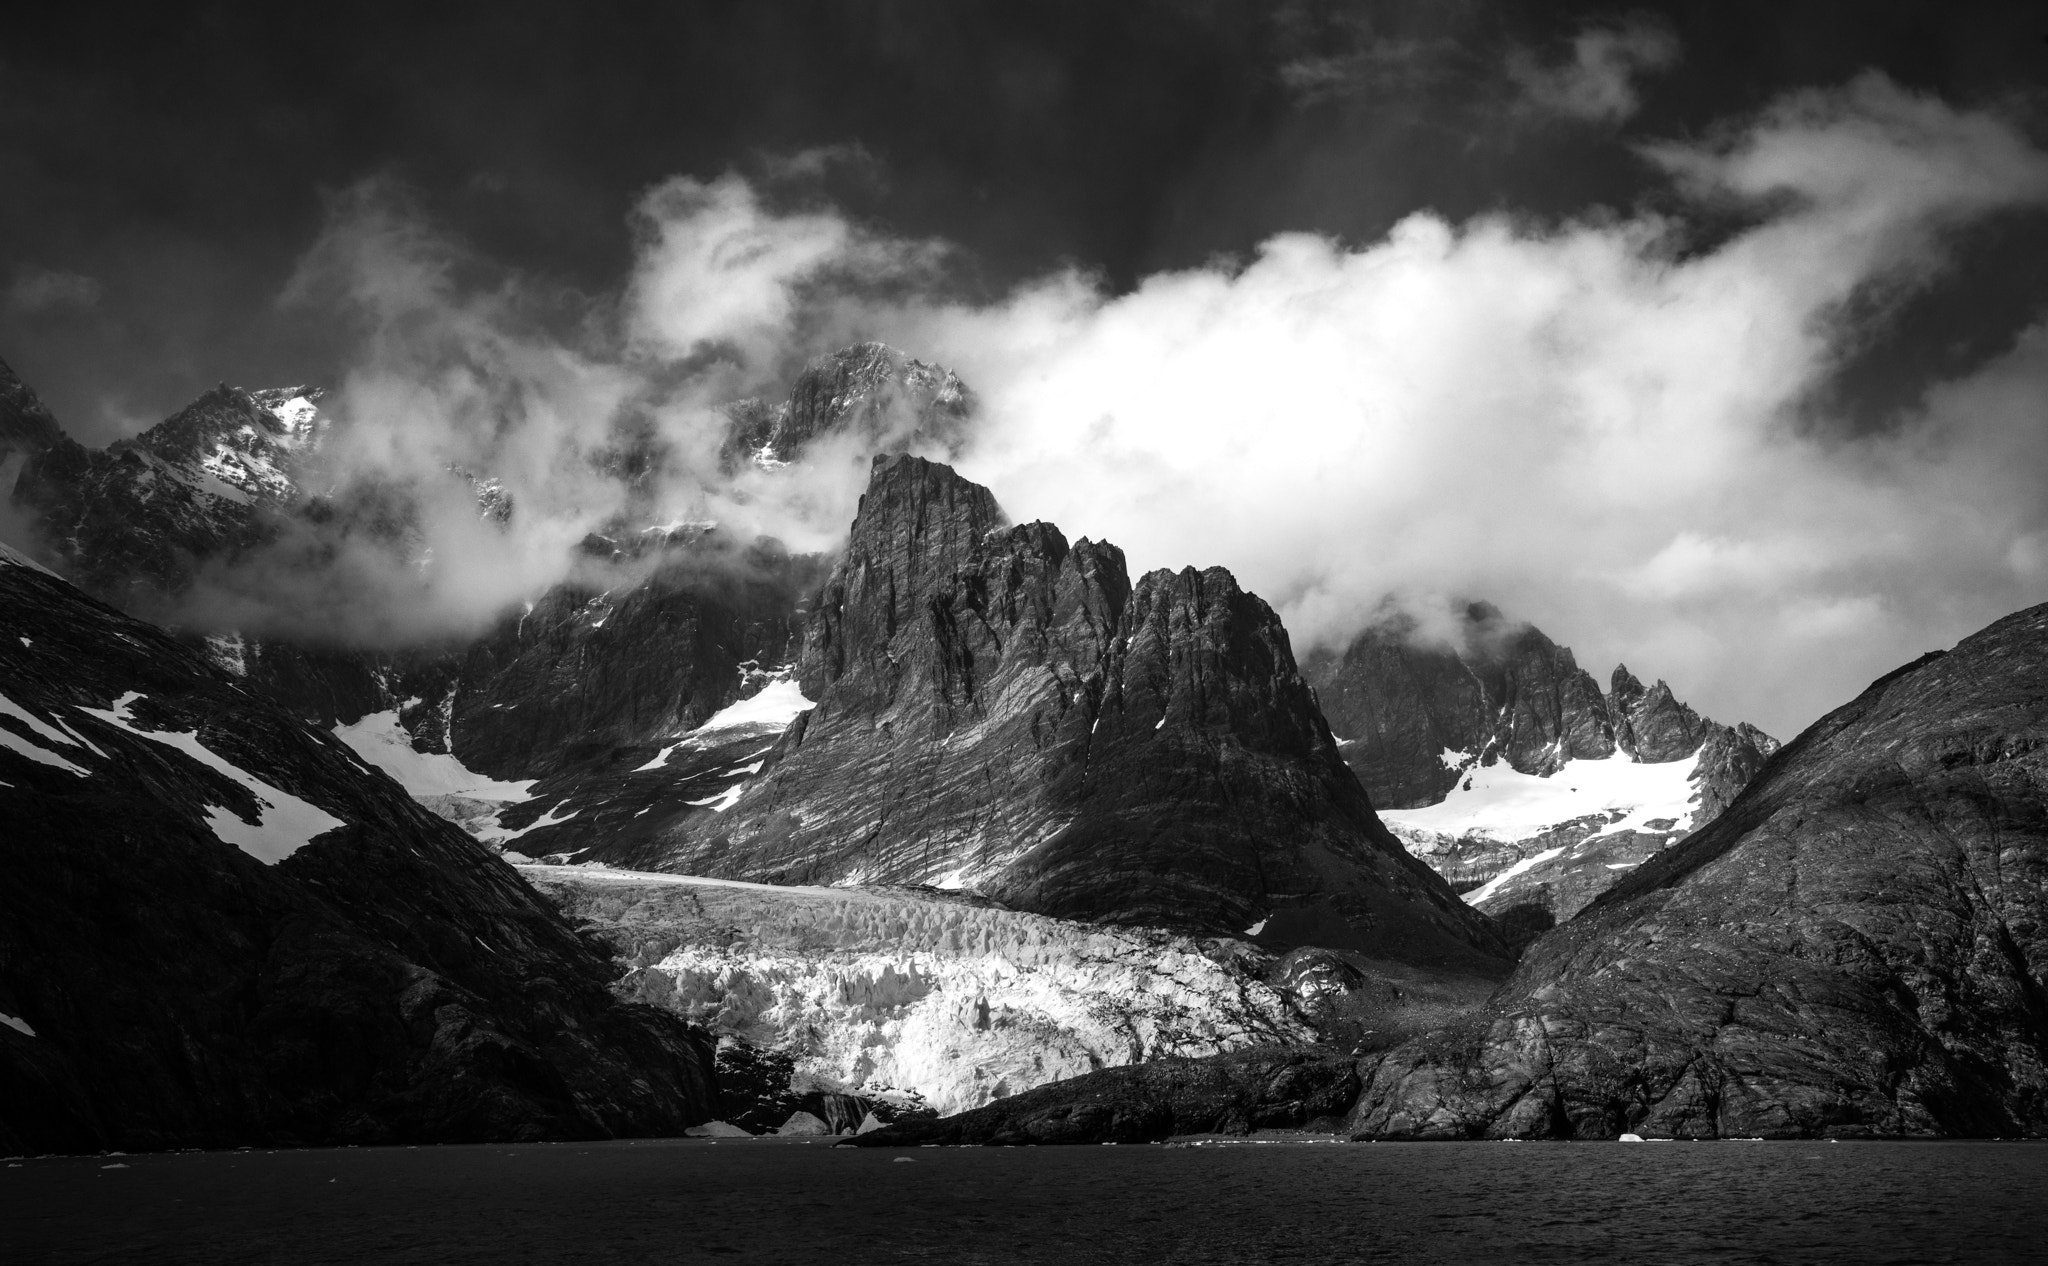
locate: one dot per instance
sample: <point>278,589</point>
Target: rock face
<point>218,927</point>
<point>1500,762</point>
<point>1001,711</point>
<point>920,998</point>
<point>1857,945</point>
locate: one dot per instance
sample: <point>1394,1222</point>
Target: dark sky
<point>164,165</point>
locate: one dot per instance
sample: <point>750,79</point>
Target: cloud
<point>1593,424</point>
<point>40,290</point>
<point>1599,424</point>
<point>593,414</point>
<point>1597,83</point>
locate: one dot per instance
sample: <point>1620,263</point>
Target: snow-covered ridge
<point>879,990</point>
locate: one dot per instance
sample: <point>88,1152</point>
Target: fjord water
<point>781,1200</point>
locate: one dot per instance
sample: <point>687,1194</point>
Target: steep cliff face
<point>1500,762</point>
<point>1858,944</point>
<point>218,927</point>
<point>1002,711</point>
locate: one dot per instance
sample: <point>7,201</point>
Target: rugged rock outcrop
<point>1499,761</point>
<point>1002,711</point>
<point>218,927</point>
<point>1857,945</point>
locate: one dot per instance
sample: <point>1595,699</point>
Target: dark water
<point>785,1201</point>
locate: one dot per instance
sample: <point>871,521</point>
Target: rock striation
<point>1857,945</point>
<point>1003,711</point>
<point>218,927</point>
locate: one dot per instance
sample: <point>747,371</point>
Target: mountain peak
<point>870,394</point>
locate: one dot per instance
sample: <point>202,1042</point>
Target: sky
<point>1710,337</point>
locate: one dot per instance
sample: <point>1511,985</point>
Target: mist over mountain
<point>724,620</point>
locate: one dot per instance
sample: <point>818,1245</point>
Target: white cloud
<point>1575,421</point>
<point>1597,83</point>
<point>1590,426</point>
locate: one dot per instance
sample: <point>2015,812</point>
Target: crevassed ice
<point>959,1004</point>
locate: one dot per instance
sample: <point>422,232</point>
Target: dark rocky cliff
<point>1857,945</point>
<point>350,969</point>
<point>1002,710</point>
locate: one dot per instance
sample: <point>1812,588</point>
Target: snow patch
<point>44,731</point>
<point>1499,802</point>
<point>1493,885</point>
<point>723,800</point>
<point>382,741</point>
<point>284,823</point>
<point>769,709</point>
<point>658,761</point>
<point>499,834</point>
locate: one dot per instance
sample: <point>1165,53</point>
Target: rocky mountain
<point>1502,763</point>
<point>218,926</point>
<point>868,395</point>
<point>998,710</point>
<point>570,696</point>
<point>1857,945</point>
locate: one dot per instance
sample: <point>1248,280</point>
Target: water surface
<point>787,1201</point>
